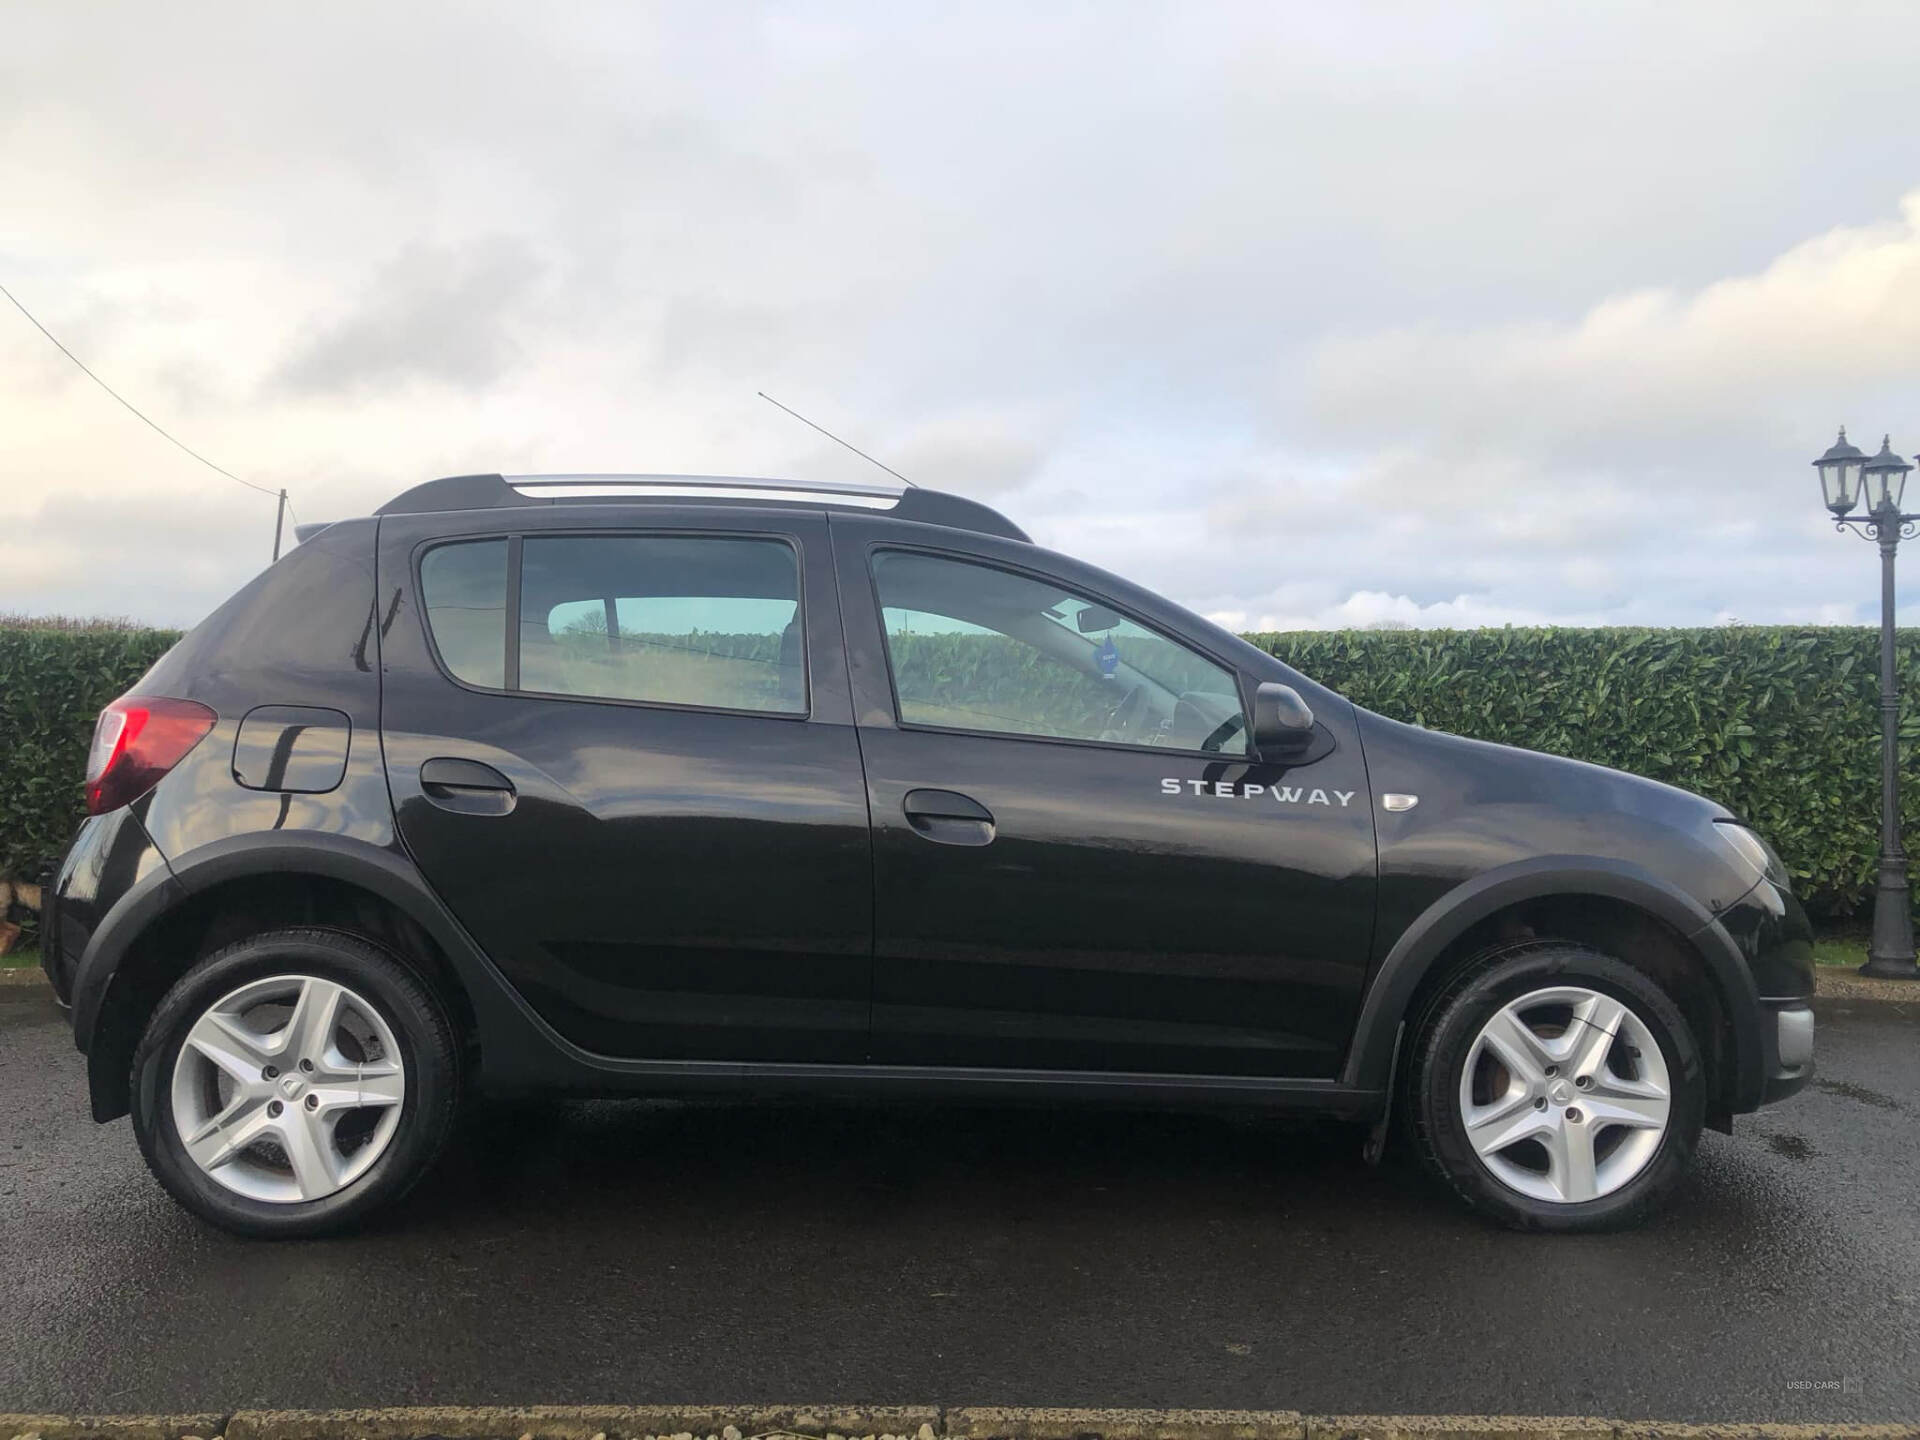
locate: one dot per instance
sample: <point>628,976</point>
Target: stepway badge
<point>1231,790</point>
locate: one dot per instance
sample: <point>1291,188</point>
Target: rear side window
<point>706,621</point>
<point>464,587</point>
<point>711,622</point>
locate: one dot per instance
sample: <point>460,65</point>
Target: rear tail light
<point>136,741</point>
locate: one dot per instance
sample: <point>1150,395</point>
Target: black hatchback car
<point>673,786</point>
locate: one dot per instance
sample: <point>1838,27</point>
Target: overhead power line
<point>155,427</point>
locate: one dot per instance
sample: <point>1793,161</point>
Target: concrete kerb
<point>686,1422</point>
<point>111,1427</point>
<point>896,1422</point>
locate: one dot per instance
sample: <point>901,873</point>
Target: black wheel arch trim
<point>233,857</point>
<point>147,900</point>
<point>382,871</point>
<point>1370,1058</point>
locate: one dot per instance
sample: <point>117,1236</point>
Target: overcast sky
<point>1304,314</point>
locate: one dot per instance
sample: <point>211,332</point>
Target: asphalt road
<point>643,1253</point>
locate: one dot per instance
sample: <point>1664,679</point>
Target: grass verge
<point>1840,950</point>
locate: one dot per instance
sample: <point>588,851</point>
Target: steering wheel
<point>1122,718</point>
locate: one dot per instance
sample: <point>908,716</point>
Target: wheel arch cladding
<point>1617,907</point>
<point>243,887</point>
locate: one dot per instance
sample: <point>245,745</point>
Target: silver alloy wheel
<point>288,1089</point>
<point>1565,1095</point>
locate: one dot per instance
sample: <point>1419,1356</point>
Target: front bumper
<point>1786,1031</point>
<point>1775,942</point>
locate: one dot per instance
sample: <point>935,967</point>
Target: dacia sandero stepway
<point>690,786</point>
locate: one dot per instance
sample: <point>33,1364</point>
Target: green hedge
<point>1780,724</point>
<point>53,682</point>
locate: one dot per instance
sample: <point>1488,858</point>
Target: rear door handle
<point>466,786</point>
<point>948,817</point>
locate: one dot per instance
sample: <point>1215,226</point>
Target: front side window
<point>705,621</point>
<point>973,647</point>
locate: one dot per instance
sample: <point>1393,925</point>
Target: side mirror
<point>1282,721</point>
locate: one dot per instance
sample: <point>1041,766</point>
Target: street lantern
<point>1842,469</point>
<point>1886,478</point>
<point>1840,474</point>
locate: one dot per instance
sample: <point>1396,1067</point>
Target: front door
<point>625,759</point>
<point>1078,862</point>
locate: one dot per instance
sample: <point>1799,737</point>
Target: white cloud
<point>434,314</point>
<point>1377,610</point>
<point>1834,318</point>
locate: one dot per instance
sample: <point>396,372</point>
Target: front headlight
<point>1755,854</point>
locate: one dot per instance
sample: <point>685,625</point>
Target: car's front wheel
<point>1554,1087</point>
<point>293,1082</point>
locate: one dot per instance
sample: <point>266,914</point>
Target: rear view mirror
<point>1282,721</point>
<point>1094,618</point>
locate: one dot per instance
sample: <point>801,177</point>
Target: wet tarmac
<point>638,1253</point>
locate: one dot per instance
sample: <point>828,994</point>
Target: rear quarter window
<point>463,589</point>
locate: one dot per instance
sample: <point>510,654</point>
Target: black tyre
<point>294,1082</point>
<point>1553,1087</point>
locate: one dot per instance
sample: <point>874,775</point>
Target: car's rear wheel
<point>1557,1088</point>
<point>293,1082</point>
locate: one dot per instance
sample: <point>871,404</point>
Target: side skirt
<point>609,1076</point>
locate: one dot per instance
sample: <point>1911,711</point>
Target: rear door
<point>622,752</point>
<point>1079,865</point>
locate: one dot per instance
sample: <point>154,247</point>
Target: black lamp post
<point>1842,470</point>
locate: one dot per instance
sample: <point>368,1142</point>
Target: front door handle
<point>948,817</point>
<point>466,786</point>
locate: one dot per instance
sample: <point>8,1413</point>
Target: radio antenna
<point>836,439</point>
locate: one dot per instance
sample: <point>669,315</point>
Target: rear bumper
<point>58,974</point>
<point>57,931</point>
<point>111,859</point>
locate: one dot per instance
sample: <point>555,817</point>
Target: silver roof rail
<point>706,487</point>
<point>488,492</point>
